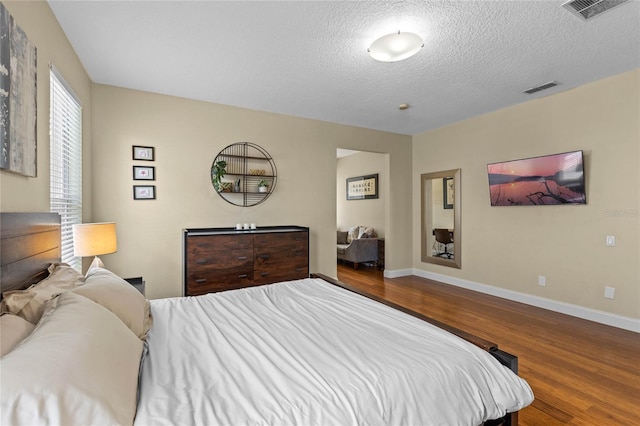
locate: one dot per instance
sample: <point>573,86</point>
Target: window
<point>65,128</point>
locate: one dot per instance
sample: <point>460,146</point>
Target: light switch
<point>611,240</point>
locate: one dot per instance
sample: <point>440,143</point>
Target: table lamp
<point>93,239</point>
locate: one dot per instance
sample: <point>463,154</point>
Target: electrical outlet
<point>611,240</point>
<point>609,292</point>
<point>542,280</point>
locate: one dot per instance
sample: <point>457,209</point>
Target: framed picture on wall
<point>144,153</point>
<point>362,187</point>
<point>144,192</point>
<point>447,192</point>
<point>144,173</point>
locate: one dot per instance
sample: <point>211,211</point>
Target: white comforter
<point>308,353</point>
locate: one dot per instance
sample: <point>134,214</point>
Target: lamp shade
<point>93,239</point>
<point>395,47</point>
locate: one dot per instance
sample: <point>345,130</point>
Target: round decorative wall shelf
<point>248,168</point>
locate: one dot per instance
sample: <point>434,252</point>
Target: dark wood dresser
<point>218,259</point>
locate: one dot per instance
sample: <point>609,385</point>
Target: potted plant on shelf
<point>218,170</point>
<point>263,186</point>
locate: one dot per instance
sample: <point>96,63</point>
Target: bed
<point>312,351</point>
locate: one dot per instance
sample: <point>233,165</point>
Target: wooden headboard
<point>29,243</point>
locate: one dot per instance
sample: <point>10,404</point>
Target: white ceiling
<point>309,58</point>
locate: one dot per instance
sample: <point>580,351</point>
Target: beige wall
<point>187,135</point>
<point>19,193</point>
<point>362,212</point>
<point>508,247</point>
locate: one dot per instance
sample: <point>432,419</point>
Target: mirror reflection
<point>441,234</point>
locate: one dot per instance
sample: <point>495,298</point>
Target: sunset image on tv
<point>549,180</point>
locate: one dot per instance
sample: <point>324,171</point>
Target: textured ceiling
<point>309,58</point>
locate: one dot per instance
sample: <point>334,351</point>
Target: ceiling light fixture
<point>395,47</point>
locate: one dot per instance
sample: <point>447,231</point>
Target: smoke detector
<point>589,9</point>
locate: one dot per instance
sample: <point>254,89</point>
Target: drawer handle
<point>299,269</point>
<point>265,256</point>
<point>242,257</point>
<point>299,253</point>
<point>242,276</point>
<point>264,274</point>
<point>201,280</point>
<point>201,261</point>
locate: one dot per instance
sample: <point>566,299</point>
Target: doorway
<point>369,214</point>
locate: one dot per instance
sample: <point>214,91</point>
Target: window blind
<point>65,127</point>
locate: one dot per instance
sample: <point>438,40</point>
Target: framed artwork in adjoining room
<point>362,187</point>
<point>447,192</point>
<point>144,153</point>
<point>144,173</point>
<point>144,192</point>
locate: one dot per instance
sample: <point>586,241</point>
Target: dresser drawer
<point>279,241</point>
<point>212,281</point>
<point>219,259</point>
<point>219,243</point>
<point>266,274</point>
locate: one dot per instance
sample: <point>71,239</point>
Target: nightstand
<point>137,282</point>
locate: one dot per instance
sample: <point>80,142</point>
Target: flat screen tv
<point>547,180</point>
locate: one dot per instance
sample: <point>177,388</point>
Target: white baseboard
<point>398,273</point>
<point>619,321</point>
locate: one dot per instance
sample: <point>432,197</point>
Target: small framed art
<point>144,173</point>
<point>144,153</point>
<point>144,192</point>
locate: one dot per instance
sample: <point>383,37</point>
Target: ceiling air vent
<point>541,87</point>
<point>588,9</point>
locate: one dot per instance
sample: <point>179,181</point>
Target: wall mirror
<point>441,233</point>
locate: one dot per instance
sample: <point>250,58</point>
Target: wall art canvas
<point>548,180</point>
<point>18,97</point>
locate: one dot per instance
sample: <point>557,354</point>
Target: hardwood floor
<point>581,372</point>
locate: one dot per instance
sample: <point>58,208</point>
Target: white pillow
<point>29,303</point>
<point>13,330</point>
<point>109,290</point>
<point>78,367</point>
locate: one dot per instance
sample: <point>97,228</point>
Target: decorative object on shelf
<point>362,187</point>
<point>250,168</point>
<point>144,192</point>
<point>218,170</point>
<point>143,153</point>
<point>18,104</point>
<point>144,173</point>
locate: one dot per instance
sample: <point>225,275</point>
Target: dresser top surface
<point>234,231</point>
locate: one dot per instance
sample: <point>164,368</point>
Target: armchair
<point>359,250</point>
